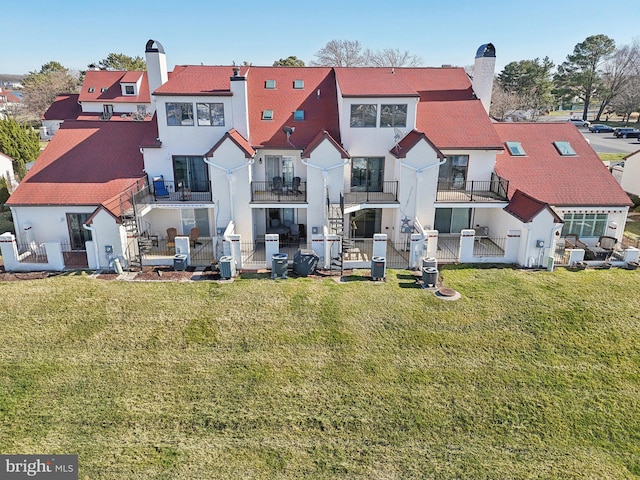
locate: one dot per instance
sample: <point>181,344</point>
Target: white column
<point>467,237</point>
<point>417,251</point>
<point>432,243</point>
<point>271,247</point>
<point>380,245</point>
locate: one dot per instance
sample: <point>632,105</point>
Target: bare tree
<point>618,72</point>
<point>503,103</point>
<point>340,53</point>
<point>627,100</point>
<point>392,57</point>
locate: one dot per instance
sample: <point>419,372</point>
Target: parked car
<point>600,128</point>
<point>578,122</point>
<point>626,132</point>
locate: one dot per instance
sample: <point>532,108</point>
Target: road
<point>607,143</point>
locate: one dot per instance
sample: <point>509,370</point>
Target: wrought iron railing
<point>457,190</point>
<point>376,192</point>
<point>285,192</point>
<point>197,191</point>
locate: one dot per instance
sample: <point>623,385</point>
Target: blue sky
<point>76,33</point>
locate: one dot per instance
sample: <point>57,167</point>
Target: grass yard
<point>529,375</point>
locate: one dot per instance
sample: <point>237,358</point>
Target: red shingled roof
<point>99,79</point>
<point>198,80</point>
<point>320,113</point>
<point>9,97</point>
<point>64,107</point>
<point>544,174</point>
<point>86,163</point>
<point>525,207</point>
<point>236,138</point>
<point>372,82</point>
<point>409,141</point>
<point>318,140</point>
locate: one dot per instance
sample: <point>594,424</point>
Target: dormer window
<point>267,115</point>
<point>564,148</point>
<point>298,84</point>
<point>270,84</point>
<point>298,115</point>
<point>515,149</point>
<point>129,90</point>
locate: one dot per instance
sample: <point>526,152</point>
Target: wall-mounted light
<point>260,160</point>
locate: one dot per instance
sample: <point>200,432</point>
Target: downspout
<point>325,175</point>
<point>229,175</point>
<point>94,241</point>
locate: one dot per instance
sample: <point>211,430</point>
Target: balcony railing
<point>378,192</point>
<point>199,191</point>
<point>494,190</point>
<point>286,192</point>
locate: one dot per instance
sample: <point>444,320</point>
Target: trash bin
<point>305,262</point>
<point>378,266</point>
<point>279,264</point>
<point>429,262</point>
<point>227,267</point>
<point>429,276</point>
<point>180,262</point>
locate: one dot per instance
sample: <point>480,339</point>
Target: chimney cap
<point>486,50</point>
<point>151,48</point>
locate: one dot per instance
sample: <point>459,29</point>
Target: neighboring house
<point>322,157</point>
<point>9,103</point>
<point>64,107</point>
<point>629,175</point>
<point>6,172</point>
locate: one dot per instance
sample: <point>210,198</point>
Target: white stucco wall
<point>118,107</point>
<point>615,215</point>
<point>369,141</point>
<point>49,224</point>
<point>6,171</point>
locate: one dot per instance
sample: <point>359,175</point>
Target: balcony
<point>377,192</point>
<point>174,192</point>
<point>285,192</point>
<point>494,190</point>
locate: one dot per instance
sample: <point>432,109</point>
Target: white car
<point>578,122</point>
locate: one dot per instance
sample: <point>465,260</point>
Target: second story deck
<point>471,191</point>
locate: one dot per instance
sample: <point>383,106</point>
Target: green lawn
<point>529,375</point>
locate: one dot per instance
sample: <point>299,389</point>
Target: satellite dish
<point>288,131</point>
<point>397,136</point>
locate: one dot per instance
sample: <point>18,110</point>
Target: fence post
<point>416,252</point>
<point>432,243</point>
<point>380,245</point>
<point>55,258</point>
<point>271,247</point>
<point>631,254</point>
<point>511,246</point>
<point>235,249</point>
<point>9,251</point>
<point>467,237</point>
<point>317,245</point>
<point>183,247</point>
<point>332,244</point>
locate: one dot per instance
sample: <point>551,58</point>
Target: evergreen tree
<point>20,142</point>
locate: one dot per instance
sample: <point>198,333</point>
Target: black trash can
<point>180,262</point>
<point>279,264</point>
<point>305,262</point>
<point>378,267</point>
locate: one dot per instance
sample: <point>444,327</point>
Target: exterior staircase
<point>336,220</point>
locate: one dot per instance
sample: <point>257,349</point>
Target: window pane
<point>217,114</point>
<point>393,116</point>
<point>363,115</point>
<point>179,114</point>
<point>204,118</point>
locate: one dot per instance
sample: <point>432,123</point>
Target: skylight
<point>298,115</point>
<point>267,115</point>
<point>515,149</point>
<point>104,89</point>
<point>298,84</point>
<point>270,84</point>
<point>564,148</point>
<point>92,89</point>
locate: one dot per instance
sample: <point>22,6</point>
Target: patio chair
<point>172,233</point>
<point>295,186</point>
<point>194,234</point>
<point>277,186</point>
<point>573,241</point>
<point>159,188</point>
<point>607,243</point>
